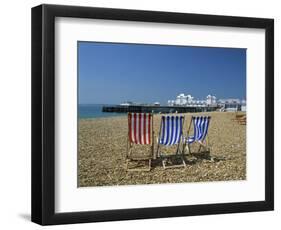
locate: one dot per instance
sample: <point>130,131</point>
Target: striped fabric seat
<point>140,128</point>
<point>171,130</point>
<point>200,127</point>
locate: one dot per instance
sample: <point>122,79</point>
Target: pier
<point>155,109</point>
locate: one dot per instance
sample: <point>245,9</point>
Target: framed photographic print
<point>142,114</point>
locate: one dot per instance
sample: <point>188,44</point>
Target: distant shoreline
<point>93,111</point>
<point>124,115</point>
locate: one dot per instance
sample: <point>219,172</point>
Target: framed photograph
<point>143,114</point>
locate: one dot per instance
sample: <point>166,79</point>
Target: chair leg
<point>173,166</point>
<point>128,155</point>
<point>178,154</point>
<point>183,149</point>
<point>183,161</point>
<point>148,168</point>
<point>178,148</point>
<point>149,160</point>
<point>153,153</point>
<point>157,151</point>
<point>163,163</point>
<point>187,147</point>
<point>182,155</point>
<point>203,145</point>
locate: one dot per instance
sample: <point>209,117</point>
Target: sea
<point>95,111</point>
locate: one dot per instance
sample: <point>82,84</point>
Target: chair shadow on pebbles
<point>205,156</point>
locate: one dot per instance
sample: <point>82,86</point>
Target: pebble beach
<point>103,143</point>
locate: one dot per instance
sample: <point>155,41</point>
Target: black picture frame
<point>43,114</point>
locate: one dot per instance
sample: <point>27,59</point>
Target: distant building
<point>171,102</point>
<point>189,101</point>
<point>211,100</point>
<point>127,103</point>
<point>230,105</point>
<point>243,106</point>
<point>157,103</point>
<point>181,99</point>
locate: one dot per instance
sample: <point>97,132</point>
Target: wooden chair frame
<point>242,120</point>
<point>202,144</point>
<point>178,152</point>
<point>130,147</point>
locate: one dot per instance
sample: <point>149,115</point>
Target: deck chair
<point>200,133</point>
<point>238,116</point>
<point>170,134</point>
<point>140,132</point>
<point>242,120</point>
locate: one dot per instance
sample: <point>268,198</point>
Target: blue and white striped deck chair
<point>170,134</point>
<point>200,132</point>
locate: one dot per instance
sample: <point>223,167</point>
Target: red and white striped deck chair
<point>140,132</point>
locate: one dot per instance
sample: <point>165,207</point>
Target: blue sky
<point>111,73</point>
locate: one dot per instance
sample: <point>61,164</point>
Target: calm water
<point>95,111</point>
